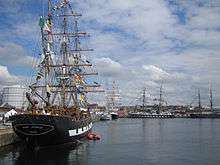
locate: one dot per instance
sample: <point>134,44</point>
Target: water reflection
<point>56,155</point>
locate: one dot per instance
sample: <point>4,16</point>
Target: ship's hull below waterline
<point>45,130</point>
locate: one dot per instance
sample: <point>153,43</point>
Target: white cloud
<point>108,67</point>
<point>204,38</point>
<point>146,21</point>
<point>156,73</point>
<point>206,18</point>
<point>6,78</point>
<point>15,55</point>
<point>106,43</point>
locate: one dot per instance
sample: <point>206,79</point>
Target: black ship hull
<point>139,115</point>
<point>45,130</point>
<point>205,116</point>
<point>114,116</point>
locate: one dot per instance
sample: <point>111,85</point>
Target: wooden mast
<point>199,100</point>
<point>144,99</point>
<point>64,51</point>
<point>160,99</point>
<point>211,99</point>
<point>64,84</point>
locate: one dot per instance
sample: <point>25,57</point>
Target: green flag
<point>41,22</point>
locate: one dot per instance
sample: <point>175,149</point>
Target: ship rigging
<point>58,111</point>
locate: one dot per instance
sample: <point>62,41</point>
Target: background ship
<point>157,111</point>
<point>200,112</point>
<point>58,111</point>
<point>113,102</point>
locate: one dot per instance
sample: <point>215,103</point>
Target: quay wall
<point>7,136</point>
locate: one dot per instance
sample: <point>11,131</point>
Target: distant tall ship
<point>58,111</point>
<point>113,101</point>
<point>200,112</point>
<point>155,111</point>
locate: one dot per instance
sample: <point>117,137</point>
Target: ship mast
<point>64,75</point>
<point>160,99</point>
<point>144,99</point>
<point>113,94</point>
<point>113,97</point>
<point>211,99</point>
<point>64,53</point>
<point>199,100</point>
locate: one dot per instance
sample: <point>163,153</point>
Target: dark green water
<point>132,142</point>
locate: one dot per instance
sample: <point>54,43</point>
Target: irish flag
<point>43,25</point>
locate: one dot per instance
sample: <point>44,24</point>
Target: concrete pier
<point>7,136</point>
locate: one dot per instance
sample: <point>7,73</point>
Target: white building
<point>14,96</point>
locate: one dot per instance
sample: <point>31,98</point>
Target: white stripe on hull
<point>82,130</point>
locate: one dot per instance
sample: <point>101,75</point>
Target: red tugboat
<point>58,111</point>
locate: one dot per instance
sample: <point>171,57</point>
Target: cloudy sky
<point>137,43</point>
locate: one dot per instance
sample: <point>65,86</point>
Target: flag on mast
<point>43,25</point>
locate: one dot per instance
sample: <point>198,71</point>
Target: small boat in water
<point>114,115</point>
<point>105,116</point>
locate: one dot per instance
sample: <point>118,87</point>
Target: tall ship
<point>58,110</point>
<point>201,112</point>
<point>151,111</point>
<point>113,100</point>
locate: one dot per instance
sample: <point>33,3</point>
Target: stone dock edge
<point>7,137</point>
